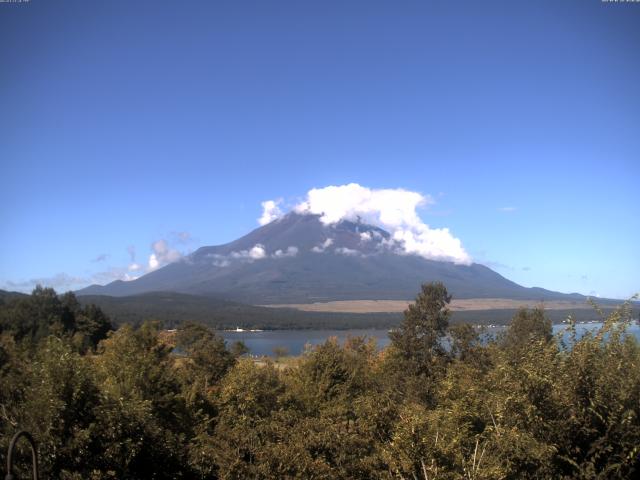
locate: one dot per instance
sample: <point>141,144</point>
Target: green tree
<point>425,323</point>
<point>92,325</point>
<point>33,317</point>
<point>44,313</point>
<point>209,359</point>
<point>526,327</point>
<point>144,421</point>
<point>239,348</point>
<point>249,395</point>
<point>417,355</point>
<point>598,430</point>
<point>55,401</point>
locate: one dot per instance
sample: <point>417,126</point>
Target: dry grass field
<point>390,306</point>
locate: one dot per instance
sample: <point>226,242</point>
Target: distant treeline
<point>118,404</point>
<point>174,308</point>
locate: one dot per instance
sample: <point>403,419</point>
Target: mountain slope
<point>297,259</point>
<point>5,295</point>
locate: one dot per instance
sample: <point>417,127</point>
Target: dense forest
<point>121,404</point>
<point>173,308</point>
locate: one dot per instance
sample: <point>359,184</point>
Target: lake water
<point>263,343</point>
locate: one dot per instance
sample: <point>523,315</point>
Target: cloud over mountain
<point>394,210</point>
<point>162,254</point>
<point>270,211</point>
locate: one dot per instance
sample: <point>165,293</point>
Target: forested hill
<point>6,295</point>
<point>174,308</point>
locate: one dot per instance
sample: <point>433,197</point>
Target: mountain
<point>5,295</point>
<point>298,259</point>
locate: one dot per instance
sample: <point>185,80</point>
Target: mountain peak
<point>298,259</point>
<point>302,233</point>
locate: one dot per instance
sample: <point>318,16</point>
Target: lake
<point>264,342</point>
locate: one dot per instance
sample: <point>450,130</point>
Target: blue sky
<point>125,123</point>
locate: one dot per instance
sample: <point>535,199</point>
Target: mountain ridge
<point>298,259</point>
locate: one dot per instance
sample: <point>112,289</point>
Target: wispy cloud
<point>162,254</point>
<point>108,276</point>
<point>507,209</point>
<point>256,252</point>
<point>182,238</point>
<point>289,252</point>
<point>57,281</point>
<point>347,251</point>
<point>321,248</point>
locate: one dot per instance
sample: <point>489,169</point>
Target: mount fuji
<point>299,259</point>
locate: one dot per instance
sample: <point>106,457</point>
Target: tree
<point>249,394</point>
<point>239,348</point>
<point>207,352</point>
<point>425,323</point>
<point>45,313</point>
<point>33,317</point>
<point>528,326</point>
<point>93,325</point>
<point>417,354</point>
<point>143,416</point>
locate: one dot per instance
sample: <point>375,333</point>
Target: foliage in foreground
<point>525,405</point>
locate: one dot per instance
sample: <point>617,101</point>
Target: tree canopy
<point>439,403</point>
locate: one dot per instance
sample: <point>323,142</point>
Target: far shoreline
<point>456,305</point>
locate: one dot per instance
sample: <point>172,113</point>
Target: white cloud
<point>289,252</point>
<point>134,267</point>
<point>270,211</point>
<point>507,209</point>
<point>257,252</point>
<point>321,248</point>
<point>162,255</point>
<point>347,251</point>
<point>394,210</point>
<point>153,261</point>
<point>365,236</point>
